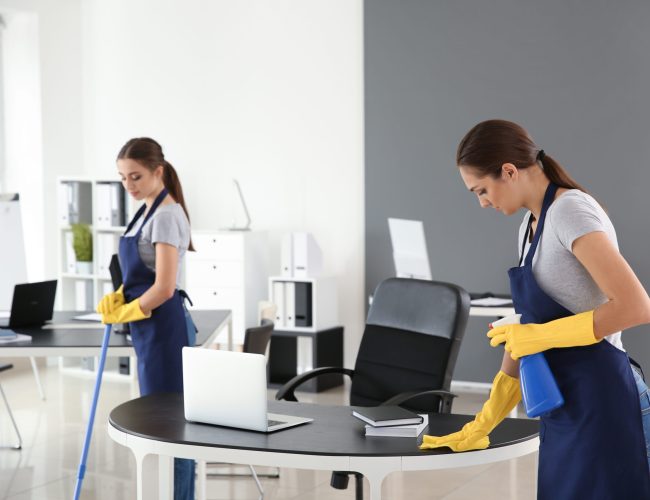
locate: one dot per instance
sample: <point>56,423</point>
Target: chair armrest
<point>446,398</point>
<point>286,392</point>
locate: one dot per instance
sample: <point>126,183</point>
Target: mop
<point>89,430</point>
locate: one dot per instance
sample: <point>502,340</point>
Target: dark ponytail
<point>556,174</point>
<point>490,144</point>
<point>149,154</point>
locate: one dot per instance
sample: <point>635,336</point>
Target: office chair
<point>256,341</point>
<point>3,367</point>
<point>407,353</point>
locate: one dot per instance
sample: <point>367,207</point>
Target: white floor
<point>53,431</point>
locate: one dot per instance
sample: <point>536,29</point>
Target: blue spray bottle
<point>539,389</point>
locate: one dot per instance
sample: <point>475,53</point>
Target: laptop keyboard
<point>271,423</point>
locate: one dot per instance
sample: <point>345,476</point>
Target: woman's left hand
<point>126,313</point>
<point>522,340</point>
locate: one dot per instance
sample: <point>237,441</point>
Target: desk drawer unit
<point>228,271</point>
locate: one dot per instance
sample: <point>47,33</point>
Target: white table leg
<point>375,471</point>
<point>165,477</point>
<point>229,326</point>
<point>38,378</point>
<point>201,478</point>
<point>147,476</point>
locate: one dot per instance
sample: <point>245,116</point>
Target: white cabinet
<point>229,270</point>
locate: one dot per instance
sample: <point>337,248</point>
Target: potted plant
<point>82,242</point>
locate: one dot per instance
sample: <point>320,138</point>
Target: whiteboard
<point>13,268</point>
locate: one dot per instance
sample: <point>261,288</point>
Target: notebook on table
<point>385,416</point>
<point>229,389</point>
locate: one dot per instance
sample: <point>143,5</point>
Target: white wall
<point>268,92</point>
<point>23,166</point>
<point>42,58</point>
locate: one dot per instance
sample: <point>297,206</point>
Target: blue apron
<point>158,340</point>
<point>592,447</point>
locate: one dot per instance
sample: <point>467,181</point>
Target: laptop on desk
<point>229,389</point>
<point>32,305</point>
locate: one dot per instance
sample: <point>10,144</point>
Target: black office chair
<point>257,338</point>
<point>256,341</point>
<point>407,353</point>
<point>3,367</point>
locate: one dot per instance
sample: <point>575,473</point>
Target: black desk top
<point>334,430</point>
<point>206,322</point>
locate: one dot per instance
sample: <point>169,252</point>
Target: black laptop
<point>32,304</point>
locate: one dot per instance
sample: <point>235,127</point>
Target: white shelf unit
<point>91,210</point>
<point>319,308</point>
<point>229,270</point>
<point>89,202</point>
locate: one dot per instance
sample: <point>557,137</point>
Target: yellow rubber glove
<point>111,301</point>
<point>125,313</point>
<point>522,340</point>
<point>504,396</point>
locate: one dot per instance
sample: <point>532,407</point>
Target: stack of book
<point>391,421</point>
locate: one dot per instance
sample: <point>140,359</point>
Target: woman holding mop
<point>151,253</point>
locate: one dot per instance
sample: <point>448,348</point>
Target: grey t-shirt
<point>556,269</point>
<point>168,224</point>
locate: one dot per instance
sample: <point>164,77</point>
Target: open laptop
<point>32,305</point>
<point>229,388</point>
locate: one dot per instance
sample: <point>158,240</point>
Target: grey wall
<point>576,74</point>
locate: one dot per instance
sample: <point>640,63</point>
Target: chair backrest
<point>256,339</point>
<point>411,341</point>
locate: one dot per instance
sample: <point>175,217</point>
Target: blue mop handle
<point>89,430</point>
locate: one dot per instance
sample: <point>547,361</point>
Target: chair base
<point>340,480</point>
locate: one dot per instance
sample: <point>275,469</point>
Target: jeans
<point>183,479</point>
<point>642,388</point>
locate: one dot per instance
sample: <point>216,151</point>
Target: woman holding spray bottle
<point>575,293</point>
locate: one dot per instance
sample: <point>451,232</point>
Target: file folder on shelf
<point>118,205</point>
<point>278,299</point>
<point>70,256</point>
<point>290,304</point>
<point>303,304</point>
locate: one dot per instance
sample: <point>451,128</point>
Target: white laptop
<point>229,388</point>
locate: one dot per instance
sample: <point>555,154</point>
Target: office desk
<point>154,428</point>
<point>65,336</point>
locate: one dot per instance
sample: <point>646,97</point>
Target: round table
<point>155,429</point>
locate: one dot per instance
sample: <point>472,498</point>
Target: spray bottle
<point>539,389</point>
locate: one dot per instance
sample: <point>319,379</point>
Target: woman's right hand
<point>471,437</point>
<point>504,396</point>
<point>111,301</point>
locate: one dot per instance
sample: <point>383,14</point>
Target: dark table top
<point>334,430</point>
<point>53,337</point>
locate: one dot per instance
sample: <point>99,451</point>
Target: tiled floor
<point>53,431</point>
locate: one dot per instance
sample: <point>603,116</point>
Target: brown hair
<point>149,154</point>
<point>490,144</point>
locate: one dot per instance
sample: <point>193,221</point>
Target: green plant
<point>82,242</point>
